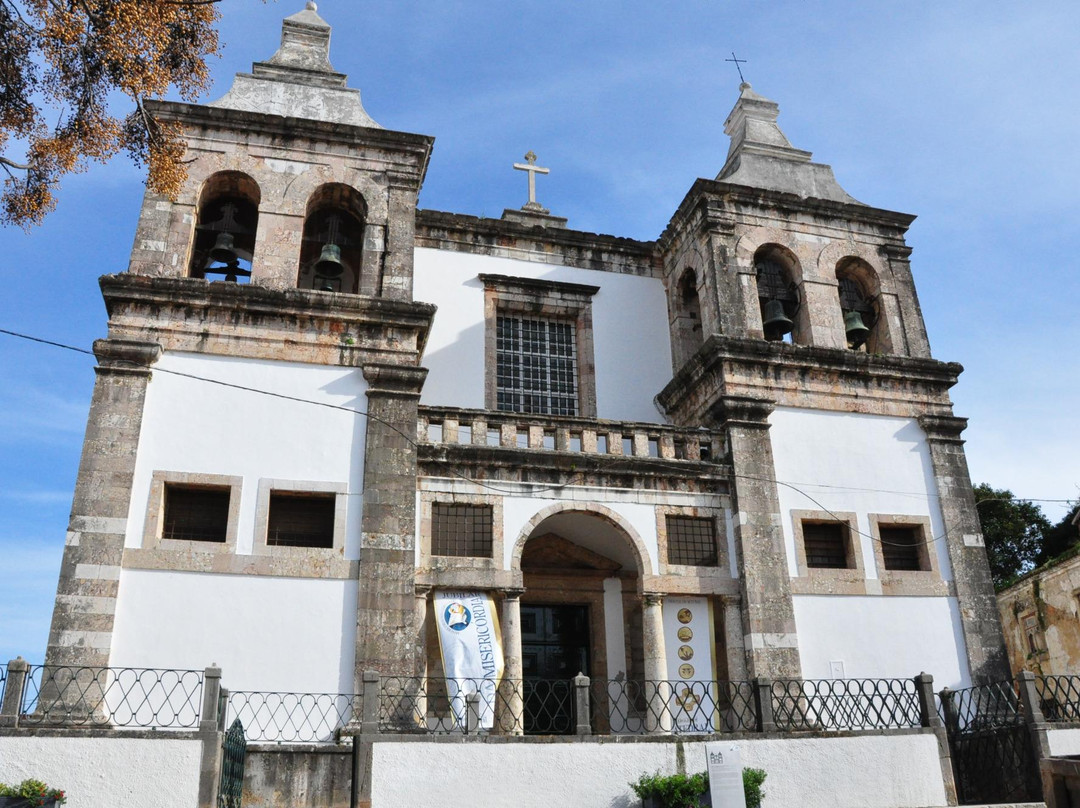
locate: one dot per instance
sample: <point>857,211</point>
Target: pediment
<point>554,552</point>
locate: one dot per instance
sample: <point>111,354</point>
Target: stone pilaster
<point>397,273</point>
<point>82,622</point>
<point>386,630</point>
<point>768,616</point>
<point>987,658</point>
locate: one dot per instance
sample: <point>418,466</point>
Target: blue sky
<point>964,113</point>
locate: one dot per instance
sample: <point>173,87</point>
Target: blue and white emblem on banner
<point>457,616</point>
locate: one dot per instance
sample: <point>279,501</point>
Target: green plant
<point>683,790</point>
<point>672,790</point>
<point>34,792</point>
<point>752,780</point>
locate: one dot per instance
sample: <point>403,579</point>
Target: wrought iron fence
<point>672,706</point>
<point>291,717</point>
<point>1059,697</point>
<point>233,755</point>
<point>3,682</point>
<point>981,707</point>
<point>845,704</point>
<point>62,695</point>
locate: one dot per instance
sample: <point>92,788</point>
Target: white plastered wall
<point>95,772</point>
<point>863,464</point>
<point>267,633</point>
<point>869,771</point>
<point>284,634</point>
<point>630,331</point>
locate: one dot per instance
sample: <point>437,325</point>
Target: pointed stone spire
<point>298,80</point>
<point>762,157</point>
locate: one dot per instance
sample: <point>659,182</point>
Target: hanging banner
<point>691,666</point>
<point>472,653</point>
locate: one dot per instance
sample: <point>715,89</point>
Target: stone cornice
<point>394,380</point>
<point>545,468</point>
<point>192,314</point>
<point>733,196</point>
<point>506,239</point>
<point>808,377</point>
<point>277,126</point>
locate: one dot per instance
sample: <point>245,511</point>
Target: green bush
<point>683,790</point>
<point>33,791</point>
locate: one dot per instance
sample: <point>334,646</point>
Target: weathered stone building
<point>317,404</point>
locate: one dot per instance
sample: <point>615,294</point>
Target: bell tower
<point>791,303</point>
<point>283,271</point>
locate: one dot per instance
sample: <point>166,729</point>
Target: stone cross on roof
<point>533,169</point>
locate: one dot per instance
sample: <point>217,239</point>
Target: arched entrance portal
<point>580,610</point>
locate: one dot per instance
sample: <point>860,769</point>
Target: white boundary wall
<point>1063,741</point>
<point>631,338</point>
<point>96,772</point>
<point>865,771</point>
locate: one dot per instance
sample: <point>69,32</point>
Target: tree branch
<point>6,162</point>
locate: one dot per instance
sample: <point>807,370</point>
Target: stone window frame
<point>155,511</point>
<point>268,485</point>
<point>722,568</point>
<point>926,581</point>
<point>557,300</point>
<point>1033,638</point>
<point>434,562</point>
<point>850,580</point>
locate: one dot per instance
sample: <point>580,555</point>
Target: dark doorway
<point>554,649</point>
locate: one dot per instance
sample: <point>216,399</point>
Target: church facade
<point>318,407</point>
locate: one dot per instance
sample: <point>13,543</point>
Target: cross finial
<point>737,62</point>
<point>533,169</point>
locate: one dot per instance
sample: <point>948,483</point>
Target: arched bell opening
<point>226,221</point>
<point>332,247</point>
<point>778,294</point>
<point>688,333</point>
<point>860,304</point>
<point>581,612</point>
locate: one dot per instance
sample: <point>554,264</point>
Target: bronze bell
<point>856,329</point>
<point>223,251</point>
<point>329,264</point>
<point>776,322</point>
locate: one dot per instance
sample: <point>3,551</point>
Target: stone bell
<point>223,250</point>
<point>776,322</point>
<point>329,264</point>
<point>856,329</point>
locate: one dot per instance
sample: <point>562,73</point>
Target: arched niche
<point>226,223</point>
<point>687,329</point>
<point>775,270</point>
<point>859,291</point>
<point>332,245</point>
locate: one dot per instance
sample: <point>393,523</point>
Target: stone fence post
<point>472,713</point>
<point>17,670</point>
<point>1033,714</point>
<point>210,719</point>
<point>928,714</point>
<point>369,724</point>
<point>581,704</point>
<point>763,706</point>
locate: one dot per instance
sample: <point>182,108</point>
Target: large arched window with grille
<point>778,296</point>
<point>332,249</point>
<point>226,220</point>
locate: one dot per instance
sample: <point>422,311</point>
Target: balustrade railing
<point>567,434</point>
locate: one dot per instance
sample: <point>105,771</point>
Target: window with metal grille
<point>691,540</point>
<point>195,513</point>
<point>826,544</point>
<point>901,546</point>
<point>536,366</point>
<point>301,519</point>
<point>461,530</point>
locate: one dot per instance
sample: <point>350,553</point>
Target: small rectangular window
<point>826,544</point>
<point>654,447</point>
<point>195,513</point>
<point>901,546</point>
<point>461,530</point>
<point>627,446</point>
<point>679,445</point>
<point>705,451</point>
<point>601,444</point>
<point>549,439</point>
<point>301,519</point>
<point>691,540</point>
<point>493,436</point>
<point>434,432</point>
<point>575,442</point>
<point>464,433</point>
